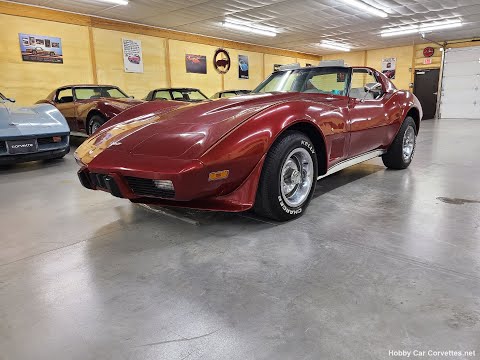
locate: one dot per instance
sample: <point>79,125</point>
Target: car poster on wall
<point>196,64</point>
<point>242,67</point>
<point>389,66</point>
<point>132,56</point>
<point>39,48</point>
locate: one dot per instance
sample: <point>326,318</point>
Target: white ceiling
<point>301,23</point>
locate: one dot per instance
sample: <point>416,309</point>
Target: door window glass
<point>65,96</point>
<point>360,79</point>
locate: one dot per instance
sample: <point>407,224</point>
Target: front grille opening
<point>3,146</point>
<point>146,187</point>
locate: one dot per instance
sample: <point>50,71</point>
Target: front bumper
<point>41,155</point>
<point>191,191</point>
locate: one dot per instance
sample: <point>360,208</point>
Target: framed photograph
<point>39,48</point>
<point>196,64</point>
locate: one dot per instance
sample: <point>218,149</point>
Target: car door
<point>366,113</point>
<point>329,86</point>
<point>64,101</point>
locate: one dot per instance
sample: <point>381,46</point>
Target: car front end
<point>32,133</point>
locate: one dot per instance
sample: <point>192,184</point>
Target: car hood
<point>122,104</point>
<point>34,120</point>
<point>184,132</point>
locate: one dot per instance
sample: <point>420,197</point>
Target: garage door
<point>460,97</point>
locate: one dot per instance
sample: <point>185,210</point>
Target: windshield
<point>188,95</point>
<point>323,80</point>
<point>85,93</point>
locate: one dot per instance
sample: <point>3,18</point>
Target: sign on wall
<point>221,61</point>
<point>196,64</point>
<point>389,66</point>
<point>38,48</point>
<point>242,66</point>
<point>132,56</point>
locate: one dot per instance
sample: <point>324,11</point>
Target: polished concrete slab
<point>382,260</point>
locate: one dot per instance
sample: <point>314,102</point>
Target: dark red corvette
<point>87,107</point>
<point>264,150</point>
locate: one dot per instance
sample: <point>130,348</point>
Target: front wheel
<point>95,122</point>
<point>288,178</point>
<point>401,151</point>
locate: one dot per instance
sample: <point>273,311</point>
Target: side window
<point>326,83</point>
<point>162,95</point>
<point>64,96</point>
<point>360,79</point>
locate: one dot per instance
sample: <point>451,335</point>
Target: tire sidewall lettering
<point>287,209</point>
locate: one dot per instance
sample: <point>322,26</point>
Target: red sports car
<point>87,107</point>
<point>265,150</point>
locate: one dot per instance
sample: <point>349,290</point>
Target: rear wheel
<point>95,122</point>
<point>288,178</point>
<point>401,151</point>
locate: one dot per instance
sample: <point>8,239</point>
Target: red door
<point>368,118</point>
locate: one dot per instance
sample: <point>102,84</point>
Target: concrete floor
<point>377,263</point>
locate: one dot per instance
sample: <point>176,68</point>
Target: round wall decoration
<point>221,61</point>
<point>428,51</point>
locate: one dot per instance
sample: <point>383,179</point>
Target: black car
<point>178,94</point>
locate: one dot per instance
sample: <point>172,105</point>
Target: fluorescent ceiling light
<point>334,45</point>
<point>427,27</point>
<point>118,2</point>
<point>365,7</point>
<point>403,30</point>
<point>439,25</point>
<point>249,27</point>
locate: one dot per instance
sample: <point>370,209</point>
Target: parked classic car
<point>178,94</point>
<point>264,150</point>
<point>31,133</point>
<point>87,107</point>
<point>230,93</point>
<point>40,51</point>
<point>134,59</point>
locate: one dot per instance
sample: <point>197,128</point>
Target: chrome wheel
<point>94,127</point>
<point>296,178</point>
<point>408,143</point>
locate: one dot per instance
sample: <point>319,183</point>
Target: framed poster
<point>389,66</point>
<point>242,66</point>
<point>39,48</point>
<point>196,64</point>
<point>132,56</point>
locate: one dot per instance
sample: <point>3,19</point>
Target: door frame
<point>439,85</point>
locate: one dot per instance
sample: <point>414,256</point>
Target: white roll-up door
<point>460,96</point>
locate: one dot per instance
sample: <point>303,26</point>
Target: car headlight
<point>164,185</point>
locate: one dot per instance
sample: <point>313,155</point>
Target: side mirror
<point>11,100</point>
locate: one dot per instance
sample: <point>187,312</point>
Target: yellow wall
<point>109,60</point>
<point>28,82</point>
<point>404,55</point>
<point>355,58</point>
<point>255,73</point>
<point>419,57</point>
<point>164,61</point>
<point>271,60</point>
<point>209,84</point>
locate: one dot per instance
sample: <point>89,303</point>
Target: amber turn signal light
<point>218,175</point>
